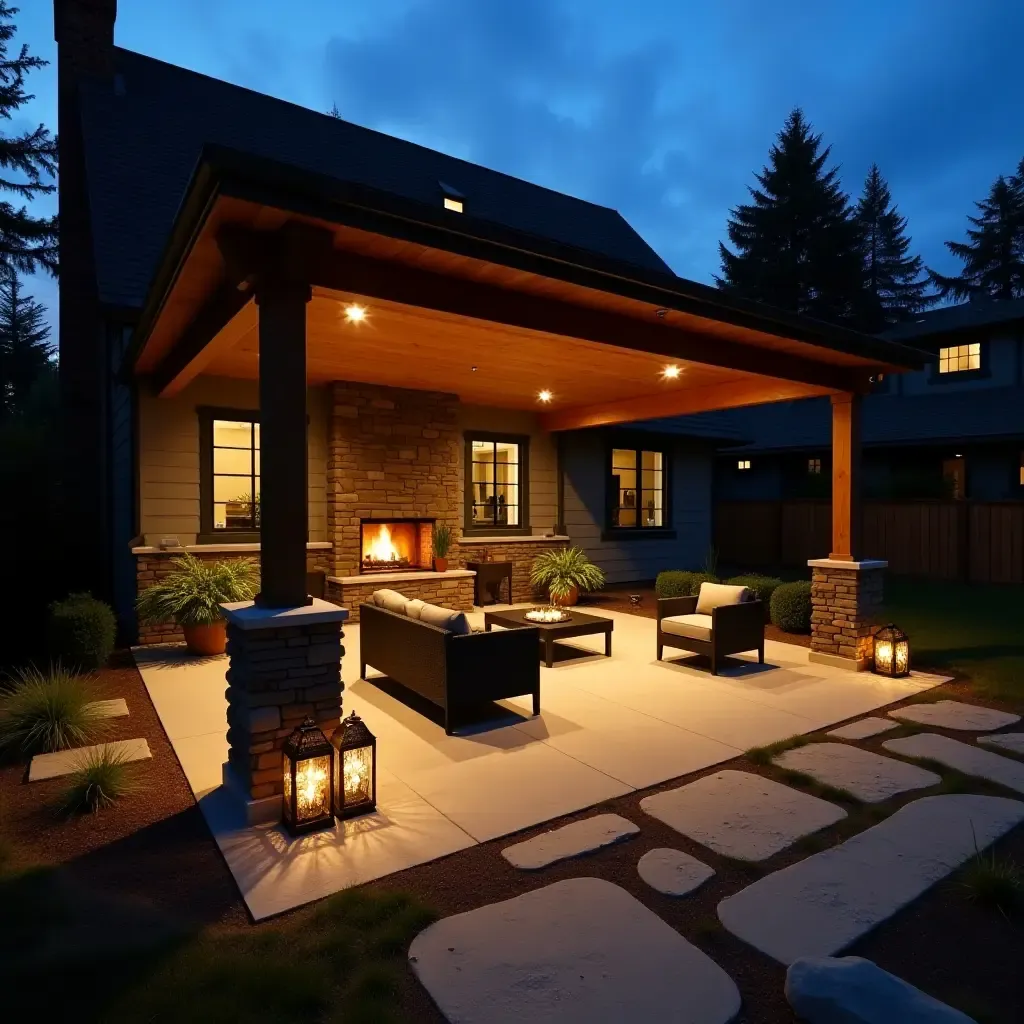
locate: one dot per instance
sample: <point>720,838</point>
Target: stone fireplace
<point>395,545</point>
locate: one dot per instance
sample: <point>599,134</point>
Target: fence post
<point>963,528</point>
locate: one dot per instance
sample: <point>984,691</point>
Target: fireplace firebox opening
<point>395,545</point>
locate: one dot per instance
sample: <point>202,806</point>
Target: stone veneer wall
<point>276,678</point>
<point>521,554</point>
<point>450,592</point>
<point>844,607</point>
<point>392,452</point>
<point>152,566</point>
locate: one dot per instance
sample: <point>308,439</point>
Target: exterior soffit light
<point>671,372</point>
<point>354,313</point>
<point>544,396</point>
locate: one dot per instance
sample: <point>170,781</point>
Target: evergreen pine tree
<point>993,256</point>
<point>334,111</point>
<point>893,288</point>
<point>25,352</point>
<point>27,243</point>
<point>796,243</point>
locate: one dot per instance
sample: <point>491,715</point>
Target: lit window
<point>236,474</point>
<point>455,205</point>
<point>743,464</point>
<point>495,495</point>
<point>637,498</point>
<point>1022,469</point>
<point>814,465</point>
<point>958,358</point>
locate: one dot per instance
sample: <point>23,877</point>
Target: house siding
<point>626,561</point>
<point>169,456</point>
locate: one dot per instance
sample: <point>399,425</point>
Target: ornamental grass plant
<point>44,711</point>
<point>192,592</point>
<point>563,569</point>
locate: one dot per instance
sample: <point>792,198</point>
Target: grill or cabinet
<point>488,581</point>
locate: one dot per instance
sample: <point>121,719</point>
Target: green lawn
<point>970,628</point>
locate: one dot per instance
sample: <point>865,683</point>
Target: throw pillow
<point>715,595</point>
<point>391,600</point>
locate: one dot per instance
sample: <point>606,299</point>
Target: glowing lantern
<point>355,779</point>
<point>892,652</point>
<point>308,770</point>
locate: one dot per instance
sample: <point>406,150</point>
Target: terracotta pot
<point>565,602</point>
<point>206,640</point>
<point>440,564</point>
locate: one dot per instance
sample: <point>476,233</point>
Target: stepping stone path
<point>580,951</point>
<point>741,815</point>
<point>109,708</point>
<point>863,729</point>
<point>569,841</point>
<point>673,872</point>
<point>963,757</point>
<point>818,906</point>
<point>868,776</point>
<point>64,762</point>
<point>1012,741</point>
<point>954,714</point>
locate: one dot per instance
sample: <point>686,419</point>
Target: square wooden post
<point>846,477</point>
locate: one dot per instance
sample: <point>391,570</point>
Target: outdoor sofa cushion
<point>697,627</point>
<point>454,622</point>
<point>391,600</point>
<point>414,607</point>
<point>715,595</point>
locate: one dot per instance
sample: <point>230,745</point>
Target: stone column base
<point>284,666</point>
<point>845,600</point>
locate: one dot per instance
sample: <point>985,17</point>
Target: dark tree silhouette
<point>28,163</point>
<point>25,352</point>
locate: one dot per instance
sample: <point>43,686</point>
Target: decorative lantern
<point>355,776</point>
<point>308,770</point>
<point>892,652</point>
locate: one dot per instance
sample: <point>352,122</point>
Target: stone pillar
<point>846,599</point>
<point>284,664</point>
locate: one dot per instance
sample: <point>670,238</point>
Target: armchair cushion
<point>454,622</point>
<point>391,600</point>
<point>696,627</point>
<point>715,595</point>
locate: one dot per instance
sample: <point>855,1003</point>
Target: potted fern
<point>565,572</point>
<point>191,595</point>
<point>443,537</point>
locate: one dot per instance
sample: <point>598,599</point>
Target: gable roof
<point>145,131</point>
<point>966,316</point>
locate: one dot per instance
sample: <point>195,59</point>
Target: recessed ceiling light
<point>455,205</point>
<point>354,313</point>
<point>544,396</point>
<point>671,372</point>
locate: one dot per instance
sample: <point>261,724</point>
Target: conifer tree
<point>796,244</point>
<point>28,162</point>
<point>25,352</point>
<point>893,286</point>
<point>993,255</point>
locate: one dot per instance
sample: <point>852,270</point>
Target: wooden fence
<point>976,541</point>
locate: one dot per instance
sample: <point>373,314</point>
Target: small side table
<point>489,577</point>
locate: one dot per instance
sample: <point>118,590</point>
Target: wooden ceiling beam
<point>679,402</point>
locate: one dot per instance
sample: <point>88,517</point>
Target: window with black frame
<point>231,458</point>
<point>496,492</point>
<point>638,489</point>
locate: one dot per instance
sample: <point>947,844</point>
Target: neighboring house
<point>954,429</point>
<point>258,300</point>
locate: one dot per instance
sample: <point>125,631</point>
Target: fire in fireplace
<point>395,545</point>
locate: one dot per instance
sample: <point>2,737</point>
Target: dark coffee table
<point>580,624</point>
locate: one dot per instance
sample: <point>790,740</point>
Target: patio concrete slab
<point>868,776</point>
<point>741,815</point>
<point>1011,741</point>
<point>963,757</point>
<point>863,729</point>
<point>571,840</point>
<point>549,956</point>
<point>954,714</point>
<point>818,906</point>
<point>64,762</point>
<point>109,708</point>
<point>673,872</point>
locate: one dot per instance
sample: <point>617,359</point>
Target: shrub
<point>762,587</point>
<point>562,569</point>
<point>791,607</point>
<point>992,881</point>
<point>99,781</point>
<point>81,632</point>
<point>681,582</point>
<point>192,592</point>
<point>46,711</point>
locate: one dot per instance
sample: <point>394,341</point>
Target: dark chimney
<point>84,30</point>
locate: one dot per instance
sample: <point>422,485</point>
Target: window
<point>638,489</point>
<point>497,483</point>
<point>959,358</point>
<point>455,205</point>
<point>1022,469</point>
<point>814,466</point>
<point>743,464</point>
<point>229,462</point>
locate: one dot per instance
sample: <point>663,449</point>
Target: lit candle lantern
<point>355,781</point>
<point>308,770</point>
<point>892,652</point>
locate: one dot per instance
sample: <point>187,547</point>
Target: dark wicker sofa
<point>452,671</point>
<point>733,629</point>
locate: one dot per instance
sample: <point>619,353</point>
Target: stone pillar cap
<point>248,615</point>
<point>834,563</point>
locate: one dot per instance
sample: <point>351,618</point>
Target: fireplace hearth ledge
<point>397,577</point>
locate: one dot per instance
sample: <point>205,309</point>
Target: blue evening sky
<point>659,108</point>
